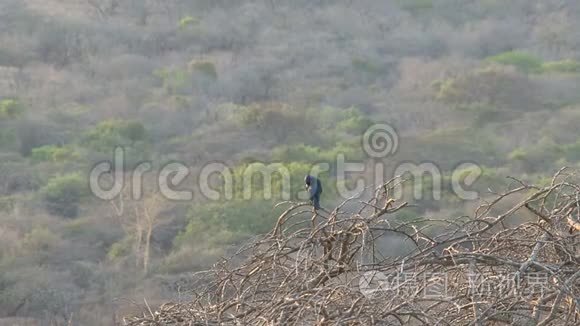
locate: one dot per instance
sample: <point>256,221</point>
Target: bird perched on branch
<point>314,188</point>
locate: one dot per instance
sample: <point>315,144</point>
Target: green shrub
<point>174,81</point>
<point>10,109</point>
<point>133,131</point>
<point>92,231</point>
<point>7,204</point>
<point>299,152</point>
<point>39,240</point>
<point>493,86</point>
<point>276,122</point>
<point>415,6</point>
<point>310,155</point>
<point>8,138</point>
<point>521,60</point>
<point>572,152</point>
<point>120,249</point>
<point>52,153</point>
<point>111,133</point>
<point>542,156</point>
<point>188,21</point>
<point>563,66</point>
<point>244,217</point>
<point>518,154</point>
<point>354,123</point>
<point>213,226</point>
<point>368,68</point>
<point>62,194</point>
<point>204,67</point>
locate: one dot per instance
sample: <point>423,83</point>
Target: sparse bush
<point>60,44</point>
<point>17,176</point>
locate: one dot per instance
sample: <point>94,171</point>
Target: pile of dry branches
<point>516,265</point>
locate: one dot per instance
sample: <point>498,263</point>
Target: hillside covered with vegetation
<point>491,82</point>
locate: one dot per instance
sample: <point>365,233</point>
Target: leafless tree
<point>139,218</point>
<point>325,270</point>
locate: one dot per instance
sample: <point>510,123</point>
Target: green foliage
<point>212,227</point>
<point>62,194</point>
<point>447,147</point>
<point>243,217</point>
<point>540,157</point>
<point>188,21</point>
<point>415,6</point>
<point>52,153</point>
<point>275,122</point>
<point>39,240</point>
<point>10,109</point>
<point>206,68</point>
<point>7,204</point>
<point>311,154</point>
<point>493,86</point>
<point>521,60</point>
<point>368,69</point>
<point>518,154</point>
<point>354,123</point>
<point>120,249</point>
<point>92,232</point>
<point>299,153</point>
<point>485,114</point>
<point>133,131</point>
<point>572,152</point>
<point>111,133</point>
<point>563,66</point>
<point>249,116</point>
<point>174,81</point>
<point>8,138</point>
<point>250,178</point>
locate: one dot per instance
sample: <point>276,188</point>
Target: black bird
<point>314,188</point>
